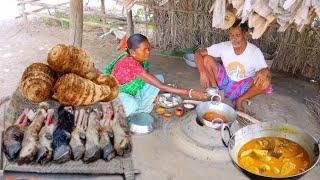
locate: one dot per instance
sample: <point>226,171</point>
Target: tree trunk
<point>103,8</point>
<point>76,22</point>
<point>130,22</point>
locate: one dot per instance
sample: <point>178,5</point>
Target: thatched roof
<point>259,13</point>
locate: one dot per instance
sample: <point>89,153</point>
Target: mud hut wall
<point>187,23</point>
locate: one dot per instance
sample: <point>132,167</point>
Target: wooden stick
<point>130,23</point>
<point>248,117</point>
<point>48,6</point>
<point>25,2</point>
<point>76,22</point>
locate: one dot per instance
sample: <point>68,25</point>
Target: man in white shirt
<point>244,72</point>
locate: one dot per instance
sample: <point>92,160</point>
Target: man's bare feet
<point>238,105</point>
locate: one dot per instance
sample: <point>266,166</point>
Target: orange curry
<point>211,115</point>
<point>273,156</point>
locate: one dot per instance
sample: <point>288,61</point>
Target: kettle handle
<point>217,121</point>
<point>225,126</point>
<point>219,98</point>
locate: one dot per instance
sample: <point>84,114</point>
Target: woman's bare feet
<point>238,104</point>
<point>156,100</point>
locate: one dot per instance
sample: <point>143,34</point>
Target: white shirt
<point>239,67</point>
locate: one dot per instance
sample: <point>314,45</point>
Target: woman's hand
<point>195,94</point>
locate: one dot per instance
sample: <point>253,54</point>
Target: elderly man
<point>243,73</point>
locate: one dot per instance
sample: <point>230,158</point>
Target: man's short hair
<point>244,26</point>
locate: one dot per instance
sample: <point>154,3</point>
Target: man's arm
<point>151,79</point>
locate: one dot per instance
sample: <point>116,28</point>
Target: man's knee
<point>209,61</point>
<point>264,86</point>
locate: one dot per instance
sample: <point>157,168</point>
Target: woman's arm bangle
<point>190,93</point>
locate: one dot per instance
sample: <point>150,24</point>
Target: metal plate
<point>141,123</point>
<point>168,100</point>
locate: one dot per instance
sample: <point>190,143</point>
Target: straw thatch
<point>187,23</point>
<point>313,105</point>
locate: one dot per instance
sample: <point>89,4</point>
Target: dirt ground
<point>156,159</point>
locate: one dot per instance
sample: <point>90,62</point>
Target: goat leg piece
<point>120,129</point>
<point>13,136</point>
<point>108,151</point>
<point>45,151</point>
<point>92,147</point>
<point>30,141</point>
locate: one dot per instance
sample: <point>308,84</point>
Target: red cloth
<point>123,43</point>
<point>126,69</point>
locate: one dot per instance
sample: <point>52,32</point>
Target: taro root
<point>37,82</point>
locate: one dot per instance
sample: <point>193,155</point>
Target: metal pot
<point>218,107</point>
<point>267,129</point>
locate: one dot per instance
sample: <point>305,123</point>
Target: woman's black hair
<point>244,26</point>
<point>135,40</point>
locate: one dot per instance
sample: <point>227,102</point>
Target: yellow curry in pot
<point>273,156</point>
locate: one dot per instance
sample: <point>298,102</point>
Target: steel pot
<point>218,107</point>
<point>267,129</point>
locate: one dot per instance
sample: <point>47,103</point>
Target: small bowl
<point>167,116</point>
<point>160,110</point>
<point>189,59</point>
<point>179,111</point>
<point>141,123</point>
<point>168,100</point>
<point>189,106</point>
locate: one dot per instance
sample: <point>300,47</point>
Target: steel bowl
<point>141,123</point>
<point>270,129</point>
<point>189,59</point>
<point>168,100</point>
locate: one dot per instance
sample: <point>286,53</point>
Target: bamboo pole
<point>24,15</point>
<point>102,7</point>
<point>49,6</point>
<point>43,8</point>
<point>130,22</point>
<point>76,22</point>
<point>145,18</point>
<point>25,2</point>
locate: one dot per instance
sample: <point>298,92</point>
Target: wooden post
<point>146,19</point>
<point>130,22</point>
<point>102,7</point>
<point>76,22</point>
<point>24,14</point>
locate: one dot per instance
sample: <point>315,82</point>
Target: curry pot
<point>270,129</point>
<point>218,107</point>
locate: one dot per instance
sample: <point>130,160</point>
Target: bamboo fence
<point>187,23</point>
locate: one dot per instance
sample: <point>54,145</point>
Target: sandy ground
<point>154,157</point>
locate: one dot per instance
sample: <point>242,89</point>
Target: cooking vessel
<point>218,107</point>
<point>267,129</point>
<point>141,123</point>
